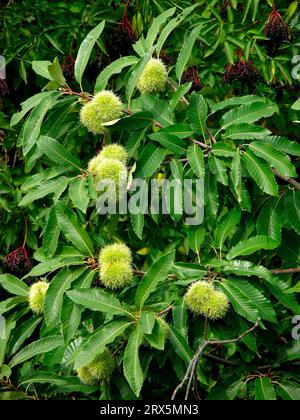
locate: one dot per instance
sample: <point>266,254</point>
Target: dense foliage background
<point>228,115</point>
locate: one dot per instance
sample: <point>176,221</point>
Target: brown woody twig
<point>291,181</point>
<point>192,366</point>
<point>286,271</point>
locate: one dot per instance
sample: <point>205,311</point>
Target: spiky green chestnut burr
<point>103,108</point>
<point>116,275</point>
<point>37,293</point>
<point>114,151</point>
<point>100,369</point>
<point>199,296</point>
<point>110,170</point>
<point>115,253</point>
<point>219,306</point>
<point>153,77</point>
<point>115,266</point>
<point>203,299</point>
<point>93,164</point>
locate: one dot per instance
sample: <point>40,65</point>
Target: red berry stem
<point>25,236</point>
<point>126,8</point>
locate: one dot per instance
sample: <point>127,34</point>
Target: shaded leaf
<point>156,273</point>
<point>73,230</point>
<point>85,50</point>
<point>131,364</point>
<point>41,346</point>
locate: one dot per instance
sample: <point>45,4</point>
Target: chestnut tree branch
<point>199,353</point>
<point>286,271</point>
<point>291,181</point>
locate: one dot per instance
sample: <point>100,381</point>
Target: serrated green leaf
<point>53,379</point>
<point>131,364</point>
<point>55,71</point>
<point>10,303</point>
<point>296,105</point>
<point>170,142</point>
<point>23,332</point>
<point>261,173</point>
<point>138,222</point>
<point>168,29</point>
<point>247,301</point>
<point>196,237</point>
<point>27,105</point>
<point>150,160</point>
<point>283,144</point>
<point>249,113</point>
<point>71,312</point>
<point>114,68</point>
<point>226,227</point>
<point>264,390</point>
<point>156,26</point>
<point>180,317</point>
<point>96,342</point>
<point>85,50</point>
<point>13,285</point>
<point>156,273</point>
<point>135,75</point>
<point>98,300</point>
<point>45,175</point>
<point>280,161</point>
<point>186,51</point>
<point>292,208</point>
<point>246,132</point>
<point>55,186</point>
<point>263,305</point>
<point>33,123</point>
<point>236,101</point>
<point>196,160</point>
<point>252,245</point>
<point>179,93</point>
<point>161,111</point>
<point>41,346</point>
<point>179,130</point>
<point>269,221</point>
<point>79,193</point>
<point>157,337</point>
<point>73,230</point>
<point>51,234</point>
<point>289,353</point>
<point>218,168</point>
<point>242,268</point>
<point>180,345</point>
<point>289,391</point>
<point>197,114</point>
<point>57,153</point>
<point>40,67</point>
<point>147,322</point>
<point>279,289</point>
<point>236,175</point>
<point>53,265</point>
<point>55,295</point>
<point>211,193</point>
<point>223,150</point>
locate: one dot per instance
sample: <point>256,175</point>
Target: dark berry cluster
<point>18,262</point>
<point>191,75</point>
<point>122,39</point>
<point>277,31</point>
<point>68,66</point>
<point>243,72</point>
